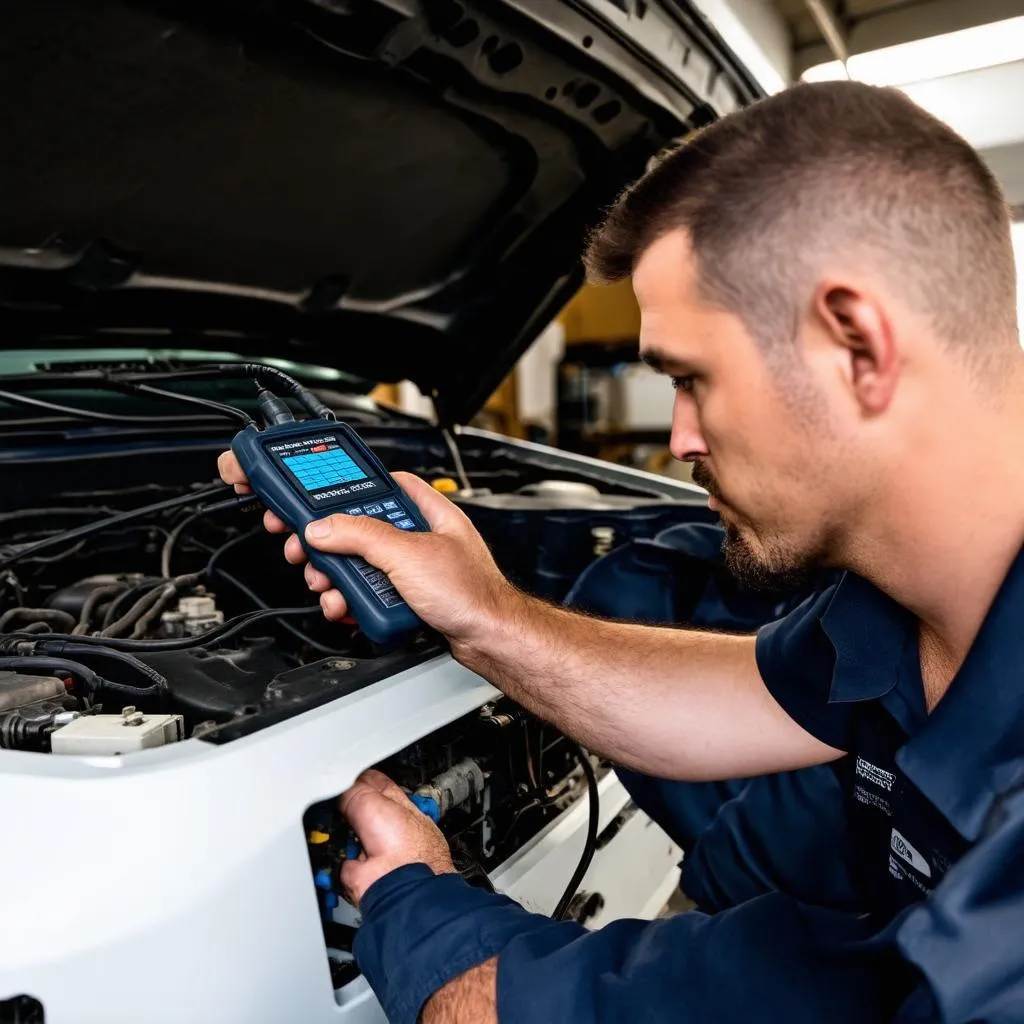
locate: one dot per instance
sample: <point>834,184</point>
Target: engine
<point>122,631</point>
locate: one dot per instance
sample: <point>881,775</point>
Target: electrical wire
<point>155,682</point>
<point>304,638</point>
<point>47,513</point>
<point>265,376</point>
<point>36,665</point>
<point>239,501</point>
<point>81,382</point>
<point>13,398</point>
<point>216,635</point>
<point>214,571</point>
<point>590,845</point>
<point>99,525</point>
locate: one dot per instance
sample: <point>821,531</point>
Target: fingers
<point>384,785</point>
<point>331,602</point>
<point>376,817</point>
<point>231,472</point>
<point>380,543</point>
<point>333,606</point>
<point>294,551</point>
<point>273,524</point>
<point>440,513</point>
<point>316,580</point>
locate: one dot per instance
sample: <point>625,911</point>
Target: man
<point>828,279</point>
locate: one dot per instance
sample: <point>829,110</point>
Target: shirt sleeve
<point>768,959</point>
<point>796,660</point>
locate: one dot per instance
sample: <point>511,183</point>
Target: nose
<point>687,441</point>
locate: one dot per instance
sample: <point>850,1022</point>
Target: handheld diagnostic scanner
<point>308,470</point>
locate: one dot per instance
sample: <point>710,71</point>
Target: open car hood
<point>393,188</point>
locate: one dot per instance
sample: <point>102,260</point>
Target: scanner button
<point>389,504</point>
<point>353,511</point>
<point>372,510</point>
<point>405,524</point>
<point>400,514</point>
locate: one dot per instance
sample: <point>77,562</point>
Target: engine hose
<point>167,594</point>
<point>32,665</point>
<point>53,617</point>
<point>20,733</point>
<point>91,680</point>
<point>121,659</point>
<point>137,610</point>
<point>132,594</point>
<point>92,602</point>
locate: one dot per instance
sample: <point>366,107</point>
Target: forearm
<point>674,703</point>
<point>472,998</point>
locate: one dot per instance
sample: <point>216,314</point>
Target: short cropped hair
<point>771,193</point>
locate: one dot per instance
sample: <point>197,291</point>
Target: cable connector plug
<point>274,410</point>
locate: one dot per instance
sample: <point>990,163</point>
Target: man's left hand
<point>392,831</point>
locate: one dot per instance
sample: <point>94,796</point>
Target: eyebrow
<point>655,359</point>
<point>662,362</point>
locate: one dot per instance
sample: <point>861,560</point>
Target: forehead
<point>666,273</point>
<point>677,327</point>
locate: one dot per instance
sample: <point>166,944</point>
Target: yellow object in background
<point>316,838</point>
<point>444,484</point>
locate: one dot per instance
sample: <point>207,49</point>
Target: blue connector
<point>428,805</point>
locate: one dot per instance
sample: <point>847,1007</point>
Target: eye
<point>684,383</point>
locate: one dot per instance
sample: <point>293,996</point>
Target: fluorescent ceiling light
<point>983,46</point>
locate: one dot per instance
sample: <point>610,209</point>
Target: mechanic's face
<point>758,435</point>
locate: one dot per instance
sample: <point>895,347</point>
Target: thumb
<point>378,820</point>
<point>380,543</point>
<point>441,514</point>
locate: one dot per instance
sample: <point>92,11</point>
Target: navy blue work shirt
<point>926,796</point>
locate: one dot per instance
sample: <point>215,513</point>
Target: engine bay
<point>142,603</point>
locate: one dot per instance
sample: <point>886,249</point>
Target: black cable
<point>590,845</point>
<point>266,376</point>
<point>92,681</point>
<point>217,635</point>
<point>155,682</point>
<point>46,513</point>
<point>213,570</point>
<point>82,382</point>
<point>228,411</point>
<point>13,398</point>
<point>87,529</point>
<point>304,638</point>
<point>239,501</point>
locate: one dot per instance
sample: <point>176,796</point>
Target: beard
<point>771,566</point>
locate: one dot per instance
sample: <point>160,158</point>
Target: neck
<point>945,532</point>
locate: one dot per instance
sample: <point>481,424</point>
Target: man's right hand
<point>447,576</point>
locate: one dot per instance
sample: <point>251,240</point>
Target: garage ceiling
<point>864,25</point>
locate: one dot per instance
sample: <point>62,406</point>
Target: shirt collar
<point>972,747</point>
<point>869,634</point>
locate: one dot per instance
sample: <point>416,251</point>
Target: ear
<point>857,325</point>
